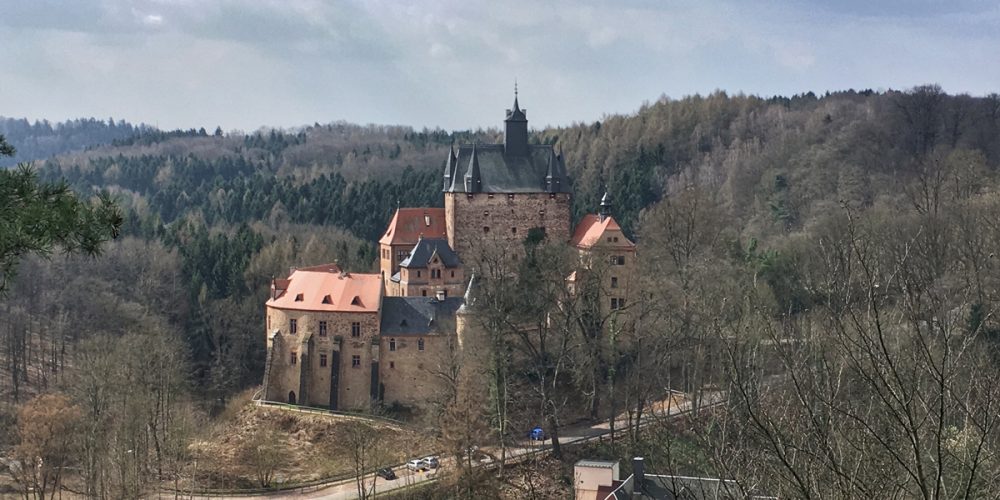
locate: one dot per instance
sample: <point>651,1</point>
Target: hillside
<point>42,140</point>
<point>754,217</point>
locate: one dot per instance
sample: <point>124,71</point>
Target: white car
<point>416,464</point>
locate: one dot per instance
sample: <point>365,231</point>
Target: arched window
<point>392,344</point>
<point>291,397</point>
<point>420,344</point>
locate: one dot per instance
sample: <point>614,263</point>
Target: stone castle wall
<point>353,383</point>
<point>472,218</point>
<point>409,375</point>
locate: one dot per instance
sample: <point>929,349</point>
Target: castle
<point>342,340</point>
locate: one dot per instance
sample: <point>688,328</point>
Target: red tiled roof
<point>408,224</point>
<point>591,229</point>
<point>327,288</point>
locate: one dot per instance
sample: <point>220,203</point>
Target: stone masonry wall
<point>354,383</point>
<point>408,374</point>
<point>508,219</point>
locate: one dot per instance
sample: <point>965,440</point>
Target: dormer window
<point>299,298</point>
<point>427,220</point>
<point>327,299</point>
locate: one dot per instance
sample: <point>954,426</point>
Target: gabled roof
<point>328,288</point>
<point>409,224</point>
<point>502,173</point>
<point>425,249</point>
<point>590,231</point>
<point>417,315</point>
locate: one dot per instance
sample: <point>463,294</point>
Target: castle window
<point>541,212</point>
<point>392,365</point>
<point>420,344</point>
<point>486,229</point>
<point>322,360</point>
<point>427,220</point>
<point>490,196</point>
<point>614,282</point>
<point>293,326</point>
<point>402,255</point>
<point>322,328</point>
<point>486,213</point>
<point>418,274</point>
<point>617,260</point>
<point>294,358</point>
<point>616,239</point>
<point>617,304</point>
<point>453,274</point>
<point>423,293</point>
<point>513,230</point>
<point>355,329</point>
<point>609,239</point>
<point>355,361</point>
<point>552,196</point>
<point>392,344</point>
<point>510,197</point>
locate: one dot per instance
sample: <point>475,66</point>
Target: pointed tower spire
<point>473,178</point>
<point>450,166</point>
<point>553,179</point>
<point>605,210</point>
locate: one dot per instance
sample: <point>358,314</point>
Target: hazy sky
<point>245,64</point>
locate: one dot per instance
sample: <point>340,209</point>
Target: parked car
<point>416,464</point>
<point>537,434</point>
<point>386,473</point>
<point>432,462</point>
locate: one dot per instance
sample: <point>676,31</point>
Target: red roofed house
<point>405,229</point>
<point>606,255</point>
<point>321,322</point>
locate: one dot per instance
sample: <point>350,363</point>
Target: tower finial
<point>605,210</point>
<point>515,87</point>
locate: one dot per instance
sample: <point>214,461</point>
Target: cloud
<point>452,63</point>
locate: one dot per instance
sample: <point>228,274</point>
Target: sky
<point>247,64</point>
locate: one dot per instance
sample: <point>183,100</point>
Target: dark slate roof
<point>501,173</point>
<point>417,315</point>
<point>425,248</point>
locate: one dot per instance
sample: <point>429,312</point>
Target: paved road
<point>672,406</point>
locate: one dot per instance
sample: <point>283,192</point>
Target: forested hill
<point>777,159</point>
<point>223,213</point>
<point>42,139</point>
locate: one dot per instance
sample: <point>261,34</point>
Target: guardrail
<point>338,413</point>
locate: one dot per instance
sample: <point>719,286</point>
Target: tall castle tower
<point>503,192</point>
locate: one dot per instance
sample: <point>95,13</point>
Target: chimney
<point>638,475</point>
<point>440,295</point>
<point>274,289</point>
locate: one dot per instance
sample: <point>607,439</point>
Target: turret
<point>473,178</point>
<point>515,139</point>
<point>553,175</point>
<point>450,167</point>
<point>605,210</point>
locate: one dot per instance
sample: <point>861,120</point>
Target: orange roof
<point>327,288</point>
<point>591,229</point>
<point>408,224</point>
